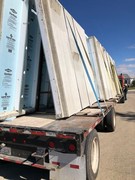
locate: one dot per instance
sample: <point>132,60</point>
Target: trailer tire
<point>110,120</point>
<point>92,152</point>
<point>101,126</point>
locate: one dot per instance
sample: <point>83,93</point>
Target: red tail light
<point>72,147</point>
<point>51,144</point>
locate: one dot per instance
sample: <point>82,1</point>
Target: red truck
<point>124,87</point>
<point>122,80</point>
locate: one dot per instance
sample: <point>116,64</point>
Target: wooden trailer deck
<point>82,121</point>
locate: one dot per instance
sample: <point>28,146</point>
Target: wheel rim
<point>95,155</point>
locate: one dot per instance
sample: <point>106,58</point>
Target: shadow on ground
<point>128,116</point>
<point>13,171</point>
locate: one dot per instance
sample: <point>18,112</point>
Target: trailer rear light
<point>72,147</point>
<point>51,144</point>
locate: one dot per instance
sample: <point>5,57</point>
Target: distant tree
<point>133,83</point>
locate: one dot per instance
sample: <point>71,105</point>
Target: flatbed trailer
<point>58,87</point>
<point>67,148</point>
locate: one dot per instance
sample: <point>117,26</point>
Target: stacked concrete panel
<point>78,68</point>
<point>104,69</point>
<point>62,33</point>
<point>113,74</point>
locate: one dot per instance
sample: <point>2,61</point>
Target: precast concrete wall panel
<point>94,64</point>
<point>114,81</point>
<point>84,88</point>
<point>108,62</point>
<point>61,60</point>
<point>97,61</point>
<point>104,71</point>
<point>82,43</point>
<point>114,73</point>
<point>70,78</point>
<point>105,75</point>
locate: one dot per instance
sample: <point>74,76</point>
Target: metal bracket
<point>40,153</point>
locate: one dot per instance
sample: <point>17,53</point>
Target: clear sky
<point>113,23</point>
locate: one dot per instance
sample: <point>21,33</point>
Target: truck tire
<point>110,120</point>
<point>92,152</point>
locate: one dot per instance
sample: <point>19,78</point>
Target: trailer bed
<point>37,120</point>
<point>74,124</point>
<point>79,123</point>
<point>42,130</point>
